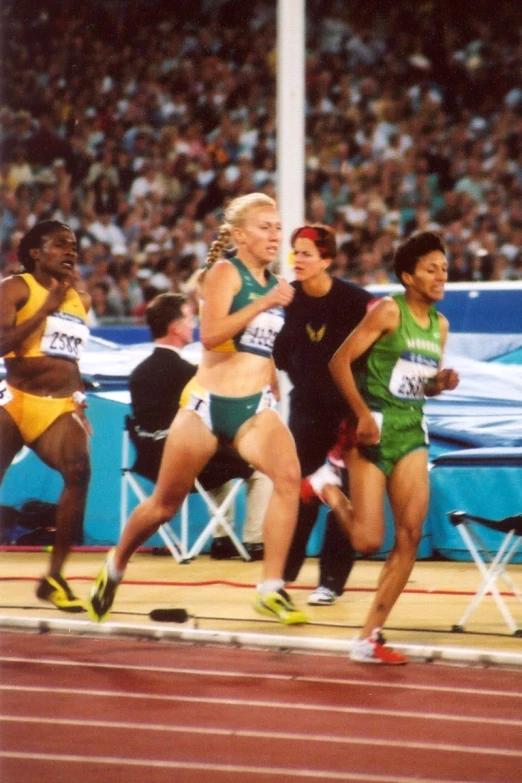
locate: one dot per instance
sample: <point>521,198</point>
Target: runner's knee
<point>364,540</point>
<point>408,539</point>
<point>163,511</point>
<point>367,545</point>
<point>287,476</point>
<point>77,470</point>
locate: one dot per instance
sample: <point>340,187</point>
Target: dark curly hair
<point>33,239</point>
<point>413,248</point>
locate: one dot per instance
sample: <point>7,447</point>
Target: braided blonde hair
<point>235,215</point>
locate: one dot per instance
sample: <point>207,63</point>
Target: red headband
<point>309,232</point>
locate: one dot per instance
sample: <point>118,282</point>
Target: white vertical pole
<point>290,121</point>
<point>290,136</point>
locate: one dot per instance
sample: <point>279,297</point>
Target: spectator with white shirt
<point>148,182</point>
<point>105,230</point>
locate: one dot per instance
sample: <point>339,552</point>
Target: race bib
<point>260,334</point>
<point>410,374</point>
<point>65,336</point>
<point>267,401</point>
<point>5,393</point>
<point>200,404</point>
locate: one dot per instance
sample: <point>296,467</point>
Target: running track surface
<point>82,710</point>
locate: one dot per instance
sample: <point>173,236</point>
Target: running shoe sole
<point>102,596</point>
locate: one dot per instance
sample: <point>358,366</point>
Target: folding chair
<point>224,466</point>
<point>491,566</point>
<point>133,479</point>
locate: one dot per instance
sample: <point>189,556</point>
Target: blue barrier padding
<point>471,309</point>
<point>485,457</point>
<point>492,308</point>
<point>483,482</point>
<point>125,335</point>
<point>513,357</point>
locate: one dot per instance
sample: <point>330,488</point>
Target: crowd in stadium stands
<point>135,132</point>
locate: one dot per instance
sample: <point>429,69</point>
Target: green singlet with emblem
<point>400,363</point>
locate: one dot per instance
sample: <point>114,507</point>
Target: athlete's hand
<point>368,432</point>
<point>57,295</point>
<point>281,294</point>
<point>81,406</point>
<point>449,379</point>
<point>445,380</point>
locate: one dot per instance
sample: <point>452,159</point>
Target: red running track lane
<point>84,710</point>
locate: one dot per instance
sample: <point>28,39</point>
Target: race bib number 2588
<point>65,336</point>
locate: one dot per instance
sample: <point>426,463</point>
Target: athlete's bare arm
<point>14,293</point>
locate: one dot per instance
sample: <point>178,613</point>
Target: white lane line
<point>441,747</point>
<point>250,675</point>
<point>279,705</point>
<point>230,768</point>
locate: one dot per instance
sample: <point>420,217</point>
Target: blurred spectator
<point>104,230</point>
<point>103,310</point>
<point>67,211</point>
<point>136,130</point>
<point>19,170</point>
<point>164,277</point>
<point>334,193</point>
<point>130,288</point>
<point>10,264</point>
<point>45,145</point>
<point>105,196</point>
<point>104,166</point>
<point>148,182</point>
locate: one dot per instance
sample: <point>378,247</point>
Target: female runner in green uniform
<point>230,400</point>
<point>405,337</point>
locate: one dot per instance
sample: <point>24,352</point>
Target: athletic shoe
<point>374,650</point>
<point>279,605</point>
<point>255,550</point>
<point>223,548</point>
<point>102,594</point>
<point>56,590</point>
<point>322,596</point>
<point>313,485</point>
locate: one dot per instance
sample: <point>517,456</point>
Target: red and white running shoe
<point>312,486</point>
<point>374,650</point>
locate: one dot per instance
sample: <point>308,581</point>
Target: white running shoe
<point>375,650</point>
<point>312,486</point>
<point>322,596</point>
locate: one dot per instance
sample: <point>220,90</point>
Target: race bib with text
<point>409,376</point>
<point>65,336</point>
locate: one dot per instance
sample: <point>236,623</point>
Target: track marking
<point>280,705</point>
<point>274,735</point>
<point>231,768</point>
<point>248,675</point>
